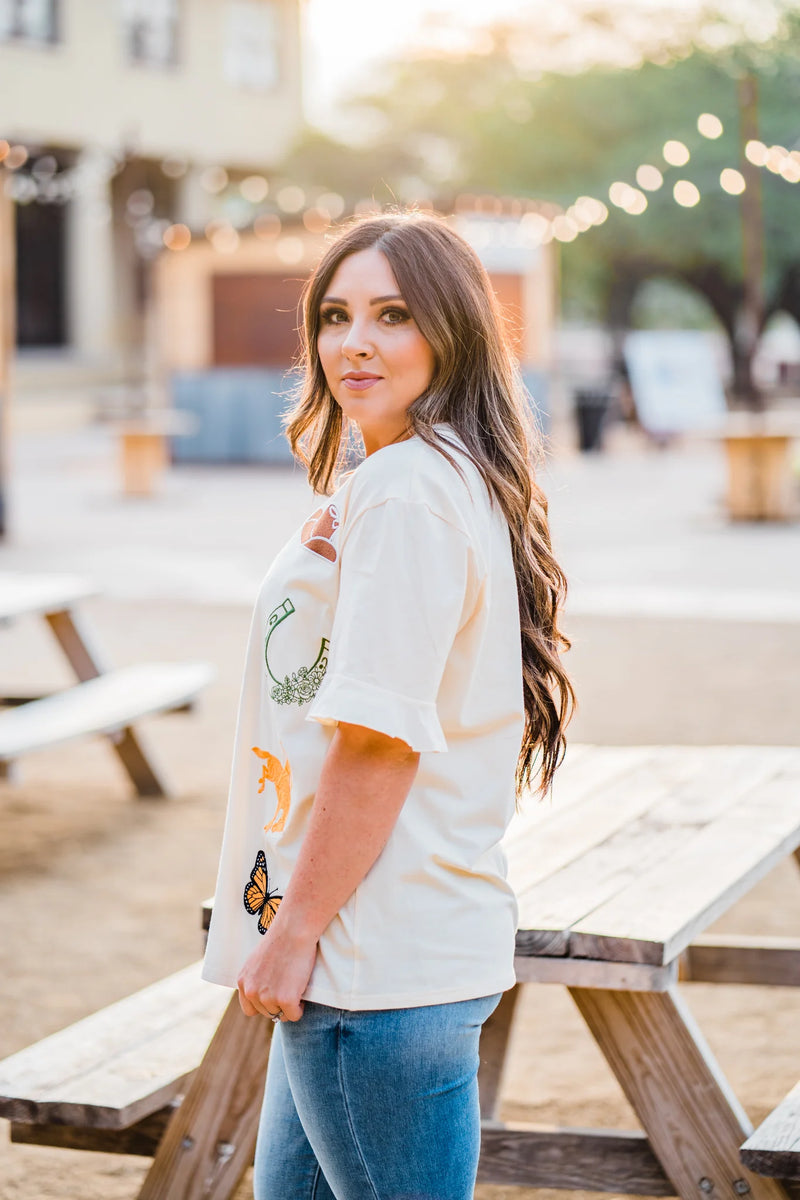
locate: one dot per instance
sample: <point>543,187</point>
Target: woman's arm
<point>363,785</point>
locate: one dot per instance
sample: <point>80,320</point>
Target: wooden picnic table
<point>618,878</point>
<point>104,701</point>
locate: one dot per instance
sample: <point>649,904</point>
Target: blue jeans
<point>373,1105</point>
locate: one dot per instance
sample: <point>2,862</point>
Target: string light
<point>649,177</point>
<point>537,223</point>
<point>709,125</point>
<point>676,153</point>
<point>254,188</point>
<point>756,153</point>
<point>686,194</point>
<point>177,237</point>
<point>732,181</point>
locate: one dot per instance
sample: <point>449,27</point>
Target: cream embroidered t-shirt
<point>394,607</point>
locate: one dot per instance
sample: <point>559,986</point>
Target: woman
<point>403,669</point>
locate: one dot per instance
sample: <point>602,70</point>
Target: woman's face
<point>376,361</point>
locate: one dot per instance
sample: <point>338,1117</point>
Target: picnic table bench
<point>103,701</point>
<point>617,879</point>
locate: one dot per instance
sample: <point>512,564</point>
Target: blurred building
<point>121,117</point>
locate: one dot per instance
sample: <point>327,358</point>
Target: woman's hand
<point>276,974</point>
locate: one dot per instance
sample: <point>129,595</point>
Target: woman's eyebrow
<point>375,300</point>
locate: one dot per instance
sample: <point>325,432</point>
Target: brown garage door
<point>255,320</point>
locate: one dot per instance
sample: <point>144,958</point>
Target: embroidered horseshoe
<point>301,685</point>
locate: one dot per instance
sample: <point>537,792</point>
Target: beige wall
<point>82,91</point>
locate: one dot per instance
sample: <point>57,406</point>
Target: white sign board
<point>675,380</point>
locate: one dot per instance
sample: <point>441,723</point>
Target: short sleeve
<point>402,593</point>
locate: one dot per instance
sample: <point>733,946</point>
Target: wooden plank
<point>568,835</point>
<point>716,958</point>
<point>774,1148</point>
<point>22,594</point>
<point>595,973</point>
<point>574,1159</point>
<point>211,1139</point>
<point>656,917</point>
<point>141,1138</point>
<point>570,894</point>
<point>73,638</point>
<point>686,1106</point>
<point>103,705</point>
<point>120,1064</point>
<point>493,1046</point>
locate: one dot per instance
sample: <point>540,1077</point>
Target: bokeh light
<point>174,168</point>
<point>16,157</point>
<point>223,236</point>
<point>709,125</point>
<point>732,181</point>
<point>331,203</point>
<point>564,228</point>
<point>316,220</point>
<point>790,171</point>
<point>267,226</point>
<point>776,157</point>
<point>214,179</point>
<point>254,188</point>
<point>686,194</point>
<point>756,153</point>
<point>4,149</point>
<point>649,177</point>
<point>676,153</point>
<point>291,198</point>
<point>177,237</point>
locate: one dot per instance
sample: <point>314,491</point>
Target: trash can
<point>591,408</point>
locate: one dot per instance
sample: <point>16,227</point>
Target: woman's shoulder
<point>441,477</point>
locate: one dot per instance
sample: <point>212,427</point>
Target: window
<point>150,31</point>
<point>251,44</point>
<point>28,20</point>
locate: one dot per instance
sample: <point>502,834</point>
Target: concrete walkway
<point>640,531</point>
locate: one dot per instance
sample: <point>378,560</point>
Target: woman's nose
<point>356,343</point>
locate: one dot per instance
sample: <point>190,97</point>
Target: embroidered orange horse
<point>281,776</point>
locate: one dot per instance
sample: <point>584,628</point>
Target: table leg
<point>494,1041</point>
<point>693,1120</point>
<point>85,662</point>
<point>211,1139</point>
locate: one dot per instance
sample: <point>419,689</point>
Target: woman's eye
<point>333,316</point>
<point>394,316</point>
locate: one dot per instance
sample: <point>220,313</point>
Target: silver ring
<point>275,1017</point>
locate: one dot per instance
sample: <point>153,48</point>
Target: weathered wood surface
<point>581,817</point>
<point>574,1159</point>
<point>687,1108</point>
<point>676,806</point>
<point>716,958</point>
<point>631,869</point>
<point>493,1046</point>
<point>105,704</point>
<point>21,594</point>
<point>774,1148</point>
<point>120,1064</point>
<point>141,1139</point>
<point>211,1139</point>
<point>658,915</point>
<point>595,973</point>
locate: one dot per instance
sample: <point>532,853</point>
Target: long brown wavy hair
<point>476,388</point>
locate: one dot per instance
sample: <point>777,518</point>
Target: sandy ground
<point>100,893</point>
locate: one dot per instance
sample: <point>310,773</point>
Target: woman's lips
<point>360,383</point>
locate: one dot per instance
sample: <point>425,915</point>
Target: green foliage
<point>483,123</point>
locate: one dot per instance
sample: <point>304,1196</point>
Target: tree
<point>492,121</point>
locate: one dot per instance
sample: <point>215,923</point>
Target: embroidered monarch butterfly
<point>257,896</point>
